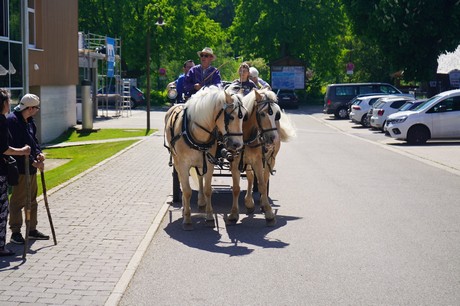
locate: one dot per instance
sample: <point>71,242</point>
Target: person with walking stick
<point>7,151</point>
<point>23,132</point>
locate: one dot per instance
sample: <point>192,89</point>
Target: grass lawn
<point>83,157</point>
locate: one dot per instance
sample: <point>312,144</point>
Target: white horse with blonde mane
<point>263,133</point>
<point>191,132</point>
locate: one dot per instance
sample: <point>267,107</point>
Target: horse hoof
<point>187,226</point>
<point>231,220</point>
<point>210,223</point>
<point>250,210</point>
<point>270,222</point>
<point>202,209</point>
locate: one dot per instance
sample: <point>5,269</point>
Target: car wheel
<point>383,126</point>
<point>365,121</point>
<point>418,135</point>
<point>341,113</point>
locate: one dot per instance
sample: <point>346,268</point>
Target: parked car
<point>287,98</point>
<point>338,95</point>
<point>409,105</point>
<point>388,105</point>
<point>360,106</point>
<point>436,118</point>
<point>137,96</point>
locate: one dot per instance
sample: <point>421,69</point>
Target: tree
<point>310,30</point>
<point>410,33</point>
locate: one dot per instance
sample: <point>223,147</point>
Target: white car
<point>436,118</point>
<point>360,107</point>
<point>387,107</point>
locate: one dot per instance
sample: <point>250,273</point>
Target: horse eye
<point>278,116</point>
<point>263,114</point>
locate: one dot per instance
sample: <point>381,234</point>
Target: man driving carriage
<point>202,75</point>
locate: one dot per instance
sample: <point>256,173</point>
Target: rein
<point>258,138</point>
<point>186,133</point>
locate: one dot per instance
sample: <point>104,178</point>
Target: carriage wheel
<point>176,186</point>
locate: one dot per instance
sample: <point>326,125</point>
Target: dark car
<point>287,98</point>
<point>137,96</point>
<point>338,95</point>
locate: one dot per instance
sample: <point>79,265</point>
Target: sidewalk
<point>104,220</point>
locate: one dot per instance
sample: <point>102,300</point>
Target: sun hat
<point>253,72</point>
<point>29,100</point>
<point>207,50</point>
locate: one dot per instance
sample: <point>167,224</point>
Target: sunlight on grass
<point>81,159</point>
<point>72,135</point>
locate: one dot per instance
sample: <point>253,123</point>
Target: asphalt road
<point>362,220</point>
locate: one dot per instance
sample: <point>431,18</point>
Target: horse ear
<point>258,96</point>
<point>228,98</point>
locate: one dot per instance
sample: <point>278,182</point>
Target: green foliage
<point>410,33</point>
<point>74,135</point>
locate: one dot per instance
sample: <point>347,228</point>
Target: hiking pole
<point>27,208</point>
<point>45,198</point>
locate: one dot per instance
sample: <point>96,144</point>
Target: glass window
<point>365,89</point>
<point>31,13</point>
<point>15,20</point>
<point>3,18</point>
<point>4,75</point>
<point>345,91</point>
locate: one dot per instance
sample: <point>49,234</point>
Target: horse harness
<point>186,134</point>
<point>257,139</point>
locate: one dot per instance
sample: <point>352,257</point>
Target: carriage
<point>248,130</point>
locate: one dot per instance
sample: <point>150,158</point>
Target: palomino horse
<point>262,133</point>
<point>259,135</point>
<point>191,130</point>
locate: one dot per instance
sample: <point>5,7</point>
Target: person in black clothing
<point>6,150</point>
<point>23,132</point>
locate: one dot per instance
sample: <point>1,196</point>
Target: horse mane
<point>201,105</point>
<point>286,129</point>
<point>249,101</point>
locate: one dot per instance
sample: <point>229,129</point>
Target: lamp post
<point>158,23</point>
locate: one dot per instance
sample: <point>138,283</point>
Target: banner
<point>110,56</point>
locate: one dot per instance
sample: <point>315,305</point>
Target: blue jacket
<point>23,132</point>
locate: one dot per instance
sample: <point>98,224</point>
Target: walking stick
<point>27,208</point>
<point>45,198</point>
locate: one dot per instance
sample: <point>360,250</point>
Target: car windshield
<point>427,103</point>
<point>406,106</point>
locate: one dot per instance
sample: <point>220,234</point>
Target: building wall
<point>56,56</point>
<point>57,112</point>
<point>56,52</point>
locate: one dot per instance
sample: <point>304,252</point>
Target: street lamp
<point>158,23</point>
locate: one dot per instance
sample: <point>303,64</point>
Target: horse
<point>191,132</point>
<point>261,144</point>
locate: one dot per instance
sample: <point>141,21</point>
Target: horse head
<point>231,125</point>
<point>265,113</point>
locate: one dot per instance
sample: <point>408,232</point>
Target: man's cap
<point>207,50</point>
<point>253,72</point>
<point>29,100</point>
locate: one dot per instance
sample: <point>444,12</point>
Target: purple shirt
<point>208,77</point>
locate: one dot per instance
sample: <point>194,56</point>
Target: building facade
<point>51,59</point>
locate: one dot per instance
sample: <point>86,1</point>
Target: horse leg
<point>248,199</point>
<point>207,191</point>
<point>264,203</point>
<point>201,197</point>
<point>186,195</point>
<point>234,214</point>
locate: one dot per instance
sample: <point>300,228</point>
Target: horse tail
<point>286,129</point>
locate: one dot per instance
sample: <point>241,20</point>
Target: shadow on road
<point>234,240</point>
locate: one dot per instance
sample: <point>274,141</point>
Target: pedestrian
<point>202,75</point>
<point>23,132</point>
<point>254,76</point>
<point>7,150</point>
<point>243,85</point>
<point>179,83</point>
